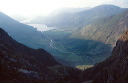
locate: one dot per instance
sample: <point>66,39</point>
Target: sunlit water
<point>41,27</point>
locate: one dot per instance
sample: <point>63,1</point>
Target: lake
<point>41,27</point>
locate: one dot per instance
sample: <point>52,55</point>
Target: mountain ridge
<point>80,19</point>
<point>22,33</point>
<point>106,29</point>
<point>19,62</point>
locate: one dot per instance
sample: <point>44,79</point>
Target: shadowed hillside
<point>21,64</point>
<point>115,68</point>
<point>22,33</point>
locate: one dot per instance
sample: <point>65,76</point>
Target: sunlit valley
<point>86,44</point>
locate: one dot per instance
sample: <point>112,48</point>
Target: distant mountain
<point>58,17</point>
<point>20,18</point>
<point>27,19</point>
<point>79,19</point>
<point>22,33</point>
<point>21,64</point>
<point>29,36</point>
<point>106,29</point>
<point>114,69</point>
<point>68,10</point>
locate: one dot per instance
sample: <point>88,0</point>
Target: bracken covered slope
<point>106,30</point>
<point>115,68</point>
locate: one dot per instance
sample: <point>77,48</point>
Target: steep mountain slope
<point>20,64</point>
<point>17,60</point>
<point>80,19</point>
<point>22,33</point>
<point>106,30</point>
<point>115,68</point>
<point>31,37</point>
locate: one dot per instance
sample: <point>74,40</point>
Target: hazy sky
<point>31,7</point>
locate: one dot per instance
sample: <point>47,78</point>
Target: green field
<point>75,52</point>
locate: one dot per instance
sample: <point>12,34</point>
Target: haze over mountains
<point>21,32</point>
<point>77,55</point>
<point>31,37</point>
<point>79,19</point>
<point>81,37</point>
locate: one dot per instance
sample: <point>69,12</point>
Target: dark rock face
<point>115,68</point>
<point>20,63</point>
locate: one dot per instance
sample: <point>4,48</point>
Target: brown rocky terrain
<point>115,68</point>
<point>106,30</point>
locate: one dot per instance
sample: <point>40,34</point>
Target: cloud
<point>28,7</point>
<point>92,3</point>
<point>121,3</point>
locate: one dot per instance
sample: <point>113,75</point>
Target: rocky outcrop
<point>18,63</point>
<point>115,68</point>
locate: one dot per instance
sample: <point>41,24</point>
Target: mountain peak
<point>108,5</point>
